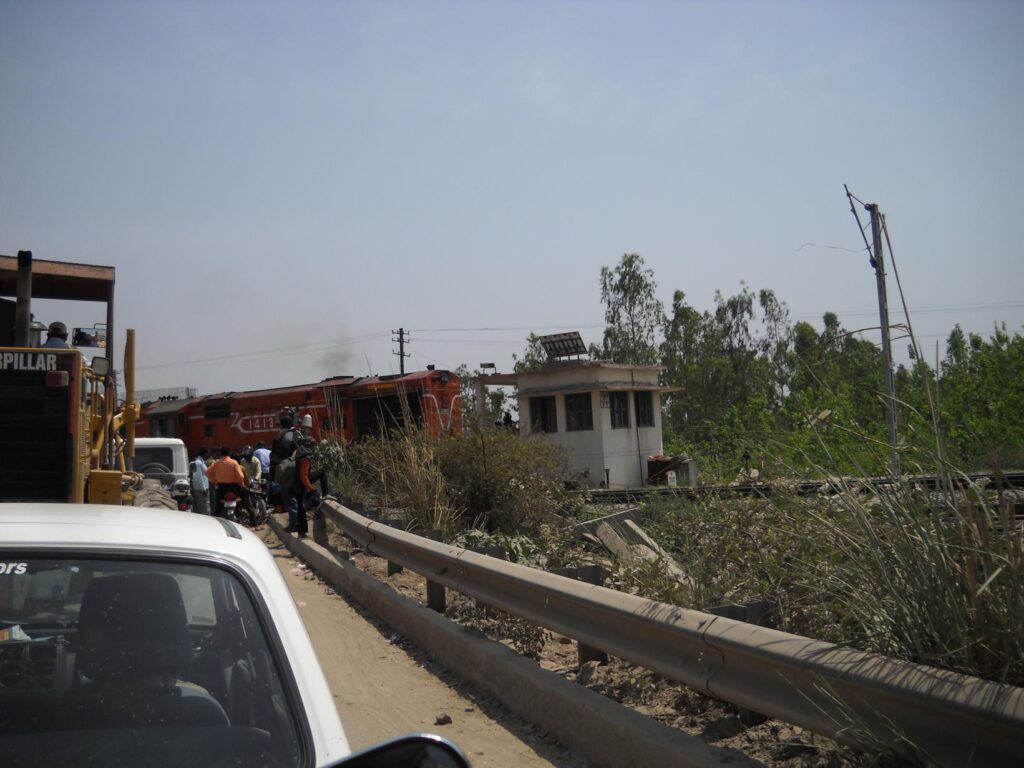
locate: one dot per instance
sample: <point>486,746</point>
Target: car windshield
<point>123,663</point>
<point>152,459</point>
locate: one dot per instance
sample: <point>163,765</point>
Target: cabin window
<point>579,416</point>
<point>221,411</point>
<point>644,409</point>
<point>619,402</point>
<point>543,417</point>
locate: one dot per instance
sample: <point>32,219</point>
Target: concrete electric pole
<point>878,262</point>
<point>402,354</point>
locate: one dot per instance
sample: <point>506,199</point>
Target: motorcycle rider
<point>225,474</point>
<point>250,465</point>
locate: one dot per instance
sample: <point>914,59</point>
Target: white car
<point>139,638</point>
<point>152,638</point>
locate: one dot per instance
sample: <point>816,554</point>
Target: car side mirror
<point>100,366</point>
<point>421,750</point>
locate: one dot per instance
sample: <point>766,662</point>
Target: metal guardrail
<point>862,699</point>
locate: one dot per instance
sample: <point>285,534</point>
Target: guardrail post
<point>760,612</point>
<point>392,522</point>
<point>436,598</point>
<point>588,574</point>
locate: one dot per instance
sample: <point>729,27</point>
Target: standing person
<point>284,479</point>
<point>282,447</point>
<point>284,443</point>
<point>200,483</point>
<point>56,336</point>
<point>263,454</point>
<point>226,475</point>
<point>305,476</point>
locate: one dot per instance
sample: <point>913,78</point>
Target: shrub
<point>503,482</point>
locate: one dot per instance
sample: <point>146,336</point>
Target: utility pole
<point>402,354</point>
<point>877,261</point>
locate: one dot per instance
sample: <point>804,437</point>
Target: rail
<point>862,699</point>
<point>802,488</point>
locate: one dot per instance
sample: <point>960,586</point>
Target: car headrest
<point>133,626</point>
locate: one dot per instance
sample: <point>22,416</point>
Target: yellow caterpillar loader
<point>64,435</point>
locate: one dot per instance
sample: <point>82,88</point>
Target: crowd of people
<point>286,470</point>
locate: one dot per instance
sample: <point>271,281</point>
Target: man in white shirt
<point>200,483</point>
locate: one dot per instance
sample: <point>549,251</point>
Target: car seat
<point>134,656</point>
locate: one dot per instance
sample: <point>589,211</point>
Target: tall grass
<point>935,577</point>
<point>402,469</point>
<point>488,479</point>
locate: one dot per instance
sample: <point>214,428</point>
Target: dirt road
<point>384,688</point>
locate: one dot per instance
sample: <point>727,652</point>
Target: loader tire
<point>153,496</point>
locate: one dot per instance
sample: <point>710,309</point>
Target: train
<point>344,408</point>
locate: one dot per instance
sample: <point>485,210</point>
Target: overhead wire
<point>276,353</point>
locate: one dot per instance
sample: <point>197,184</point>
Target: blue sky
<point>286,183</point>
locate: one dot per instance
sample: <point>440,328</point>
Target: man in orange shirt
<point>225,474</point>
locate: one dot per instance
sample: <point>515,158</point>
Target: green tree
<point>533,357</point>
<point>496,401</point>
<point>633,315</point>
<point>981,396</point>
<point>733,372</point>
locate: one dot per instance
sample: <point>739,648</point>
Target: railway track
<point>802,488</point>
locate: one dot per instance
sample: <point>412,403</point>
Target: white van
<point>165,459</point>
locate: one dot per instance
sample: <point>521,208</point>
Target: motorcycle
<point>181,492</point>
<point>258,501</point>
<point>229,506</point>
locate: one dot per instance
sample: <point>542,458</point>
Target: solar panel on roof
<point>563,344</point>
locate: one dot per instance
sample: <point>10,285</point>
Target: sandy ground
<point>384,687</point>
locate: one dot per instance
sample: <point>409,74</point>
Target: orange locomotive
<point>344,407</point>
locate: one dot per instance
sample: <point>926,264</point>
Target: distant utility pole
<point>402,354</point>
<point>877,259</point>
<point>878,262</point>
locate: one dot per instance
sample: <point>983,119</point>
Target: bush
<point>503,482</point>
<point>490,479</point>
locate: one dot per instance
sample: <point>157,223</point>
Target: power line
<point>276,353</point>
<point>470,341</point>
<point>924,310</point>
<point>509,328</point>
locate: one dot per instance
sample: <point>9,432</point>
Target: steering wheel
<point>155,467</point>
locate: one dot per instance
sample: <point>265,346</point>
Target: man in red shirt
<point>226,474</point>
<point>306,475</point>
